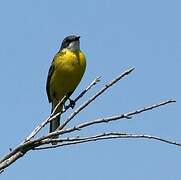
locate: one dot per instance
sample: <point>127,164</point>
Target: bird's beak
<point>78,37</point>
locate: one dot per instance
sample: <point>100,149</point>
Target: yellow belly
<point>69,69</point>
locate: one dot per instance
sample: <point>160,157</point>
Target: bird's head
<point>71,42</point>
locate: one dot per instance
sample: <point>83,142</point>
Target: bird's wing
<point>50,72</point>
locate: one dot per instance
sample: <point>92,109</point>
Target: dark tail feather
<point>54,124</point>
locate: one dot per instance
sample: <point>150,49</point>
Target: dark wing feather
<point>50,72</point>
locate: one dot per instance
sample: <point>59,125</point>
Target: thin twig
<point>85,104</point>
<point>108,119</point>
<point>103,136</point>
<point>53,115</point>
<point>28,143</point>
<point>94,82</point>
<point>124,115</point>
<point>46,121</point>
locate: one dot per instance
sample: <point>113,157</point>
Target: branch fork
<point>32,142</point>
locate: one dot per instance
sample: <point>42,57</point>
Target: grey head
<point>71,42</point>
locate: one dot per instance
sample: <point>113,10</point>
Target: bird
<point>64,75</point>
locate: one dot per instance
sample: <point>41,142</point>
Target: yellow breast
<point>69,68</point>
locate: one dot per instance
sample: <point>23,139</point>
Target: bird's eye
<point>69,41</point>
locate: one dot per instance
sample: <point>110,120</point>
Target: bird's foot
<point>72,103</point>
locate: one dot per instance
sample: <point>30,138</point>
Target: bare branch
<point>11,160</point>
<point>31,144</point>
<point>28,144</point>
<point>103,136</point>
<point>50,118</point>
<point>85,104</point>
<point>94,82</point>
<point>124,115</point>
<point>54,115</point>
<point>109,119</point>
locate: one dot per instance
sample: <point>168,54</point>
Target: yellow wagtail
<point>65,73</point>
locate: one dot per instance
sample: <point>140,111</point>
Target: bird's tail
<point>56,122</point>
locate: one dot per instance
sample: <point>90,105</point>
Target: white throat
<point>74,46</point>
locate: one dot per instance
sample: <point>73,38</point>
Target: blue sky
<point>115,35</point>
